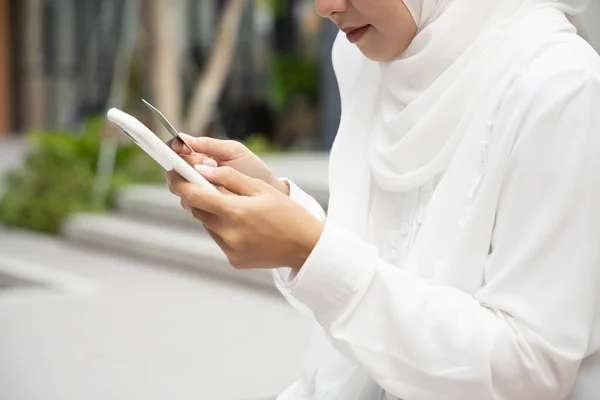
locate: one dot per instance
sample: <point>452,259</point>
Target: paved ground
<point>104,327</point>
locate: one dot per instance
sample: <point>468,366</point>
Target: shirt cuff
<point>305,200</point>
<point>283,276</point>
<point>339,268</point>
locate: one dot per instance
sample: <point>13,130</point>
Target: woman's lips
<point>355,34</point>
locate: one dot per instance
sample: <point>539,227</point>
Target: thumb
<point>230,179</point>
<point>178,147</point>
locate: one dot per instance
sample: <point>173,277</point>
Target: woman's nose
<point>327,8</point>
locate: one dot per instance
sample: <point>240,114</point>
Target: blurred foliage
<point>293,75</point>
<point>135,84</point>
<point>279,7</point>
<point>58,175</point>
<point>260,144</point>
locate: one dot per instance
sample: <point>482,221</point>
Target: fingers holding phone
<point>194,158</point>
<point>201,159</point>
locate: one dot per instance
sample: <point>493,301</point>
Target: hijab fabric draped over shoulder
<point>406,120</point>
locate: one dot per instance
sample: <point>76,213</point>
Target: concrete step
<point>151,225</point>
<point>154,203</point>
<point>186,248</point>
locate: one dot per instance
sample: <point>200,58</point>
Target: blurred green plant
<point>279,7</point>
<point>57,177</point>
<point>260,144</point>
<point>293,75</point>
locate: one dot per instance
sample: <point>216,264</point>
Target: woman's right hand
<point>228,153</point>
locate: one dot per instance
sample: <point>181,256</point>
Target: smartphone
<point>156,148</point>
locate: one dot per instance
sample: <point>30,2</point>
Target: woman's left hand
<point>255,225</point>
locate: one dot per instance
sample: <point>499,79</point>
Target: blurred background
<point>107,289</point>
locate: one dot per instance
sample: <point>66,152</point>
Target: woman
<point>460,256</point>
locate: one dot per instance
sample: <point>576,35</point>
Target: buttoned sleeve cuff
<point>338,268</point>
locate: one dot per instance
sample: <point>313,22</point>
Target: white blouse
<point>537,315</point>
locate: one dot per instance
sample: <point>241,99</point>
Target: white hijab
<point>408,118</point>
<point>404,121</point>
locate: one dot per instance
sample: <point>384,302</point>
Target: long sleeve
<point>524,334</point>
<point>284,274</point>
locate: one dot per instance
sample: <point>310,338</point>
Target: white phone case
<point>156,148</point>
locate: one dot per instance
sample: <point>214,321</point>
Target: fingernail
<point>205,170</point>
<point>209,162</point>
<point>176,145</point>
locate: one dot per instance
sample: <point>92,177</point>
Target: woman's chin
<point>376,50</point>
<point>377,55</point>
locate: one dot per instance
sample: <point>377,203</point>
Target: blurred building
<point>5,57</point>
<point>57,57</point>
<point>62,53</point>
